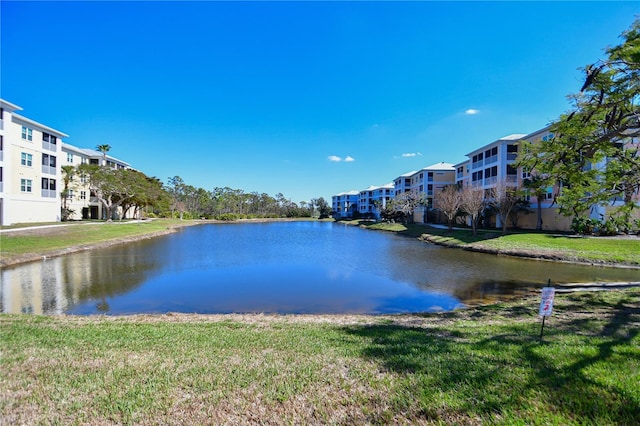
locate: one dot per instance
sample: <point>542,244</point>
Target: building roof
<point>407,174</point>
<point>441,166</point>
<point>513,137</point>
<point>9,106</point>
<point>352,192</point>
<point>385,186</point>
<point>92,153</point>
<point>41,126</point>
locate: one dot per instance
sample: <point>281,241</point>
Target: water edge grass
<point>533,244</point>
<point>481,365</point>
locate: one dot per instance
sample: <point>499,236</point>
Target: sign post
<point>546,304</point>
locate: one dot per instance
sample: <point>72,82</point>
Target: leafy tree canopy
<point>594,150</point>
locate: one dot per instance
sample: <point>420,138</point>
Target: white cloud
<point>472,111</point>
<point>335,158</point>
<point>412,154</point>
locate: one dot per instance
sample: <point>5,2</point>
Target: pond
<point>278,267</point>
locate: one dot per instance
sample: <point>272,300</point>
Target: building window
<point>549,194</point>
<point>69,157</point>
<point>49,160</point>
<point>83,160</point>
<point>49,164</point>
<point>83,195</point>
<point>46,137</point>
<point>70,194</point>
<point>48,183</point>
<point>48,188</point>
<point>26,159</point>
<point>25,185</point>
<point>27,133</point>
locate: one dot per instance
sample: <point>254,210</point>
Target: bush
<point>584,225</point>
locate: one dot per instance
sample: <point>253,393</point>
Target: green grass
<point>483,365</point>
<point>531,244</point>
<point>48,240</point>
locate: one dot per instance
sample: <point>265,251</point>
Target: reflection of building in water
<point>35,289</point>
<point>57,285</point>
<point>48,287</point>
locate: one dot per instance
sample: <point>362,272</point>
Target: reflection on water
<point>299,267</point>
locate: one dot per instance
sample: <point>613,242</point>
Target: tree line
<point>129,191</point>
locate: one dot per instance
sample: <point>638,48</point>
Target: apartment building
<point>495,162</point>
<point>80,200</point>
<point>345,204</point>
<point>30,173</point>
<point>31,178</point>
<point>462,173</point>
<point>374,199</point>
<point>428,182</point>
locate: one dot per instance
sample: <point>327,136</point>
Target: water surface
<point>281,267</point>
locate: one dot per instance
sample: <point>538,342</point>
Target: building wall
<point>30,170</point>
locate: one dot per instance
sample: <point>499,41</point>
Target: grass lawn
<point>482,365</point>
<point>559,246</point>
<point>43,241</point>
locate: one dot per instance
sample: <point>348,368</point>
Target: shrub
<point>584,225</point>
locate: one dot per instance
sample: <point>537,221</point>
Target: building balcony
<point>512,156</point>
<point>48,170</point>
<point>491,160</point>
<point>48,193</point>
<point>491,181</point>
<point>477,164</point>
<point>48,146</point>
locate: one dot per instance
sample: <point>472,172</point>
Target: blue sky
<point>267,96</point>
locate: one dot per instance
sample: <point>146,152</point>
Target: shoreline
<point>34,257</point>
<point>426,237</point>
<point>524,254</point>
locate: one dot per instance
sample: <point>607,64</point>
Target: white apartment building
<point>30,173</point>
<point>403,183</point>
<point>80,200</point>
<point>374,199</point>
<point>345,204</point>
<point>495,162</point>
<point>31,178</point>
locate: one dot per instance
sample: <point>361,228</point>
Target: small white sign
<point>546,305</point>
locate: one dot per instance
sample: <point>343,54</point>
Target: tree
<point>594,149</point>
<point>472,203</point>
<point>503,198</point>
<point>324,209</point>
<point>448,201</point>
<point>68,171</point>
<point>104,148</point>
<point>406,203</point>
<point>110,186</point>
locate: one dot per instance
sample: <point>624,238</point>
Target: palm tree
<point>104,148</point>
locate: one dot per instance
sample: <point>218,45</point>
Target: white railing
<point>49,146</point>
<point>491,180</point>
<point>48,170</point>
